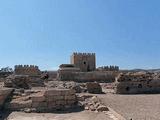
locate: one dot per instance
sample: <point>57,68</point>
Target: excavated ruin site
<point>79,91</point>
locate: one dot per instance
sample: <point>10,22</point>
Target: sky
<point>46,32</point>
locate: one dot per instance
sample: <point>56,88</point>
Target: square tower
<point>85,61</point>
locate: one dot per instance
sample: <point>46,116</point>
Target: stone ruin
<point>137,82</point>
<point>23,81</point>
<point>30,70</point>
<point>43,100</point>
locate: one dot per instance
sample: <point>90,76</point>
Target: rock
<point>93,87</point>
<point>102,108</point>
<point>4,94</point>
<point>27,110</point>
<point>86,108</point>
<point>92,108</point>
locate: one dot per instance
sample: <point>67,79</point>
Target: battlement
<point>32,70</point>
<point>108,68</point>
<point>83,54</point>
<point>26,66</point>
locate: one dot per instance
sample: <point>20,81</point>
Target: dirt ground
<point>137,107</point>
<point>84,115</point>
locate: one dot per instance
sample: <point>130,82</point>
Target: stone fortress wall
<point>31,70</point>
<point>84,61</point>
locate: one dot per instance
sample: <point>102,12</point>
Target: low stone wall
<point>47,100</point>
<point>98,76</point>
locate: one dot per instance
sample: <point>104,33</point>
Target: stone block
<point>51,104</point>
<point>38,98</point>
<point>39,104</point>
<point>70,102</point>
<point>52,92</point>
<point>71,97</point>
<point>18,105</point>
<point>60,102</point>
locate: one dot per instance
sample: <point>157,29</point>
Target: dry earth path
<point>84,115</point>
<point>137,107</point>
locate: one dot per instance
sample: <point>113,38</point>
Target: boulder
<point>93,87</point>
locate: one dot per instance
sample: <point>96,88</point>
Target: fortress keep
<point>85,61</point>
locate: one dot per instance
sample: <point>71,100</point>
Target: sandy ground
<point>84,115</point>
<point>137,107</point>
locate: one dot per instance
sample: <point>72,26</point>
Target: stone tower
<point>85,61</point>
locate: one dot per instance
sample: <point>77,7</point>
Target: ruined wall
<point>47,100</point>
<point>132,83</point>
<point>27,70</point>
<point>84,61</point>
<point>99,76</point>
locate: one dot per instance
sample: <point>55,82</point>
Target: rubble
<point>92,103</point>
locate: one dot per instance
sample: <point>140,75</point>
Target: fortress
<point>83,69</point>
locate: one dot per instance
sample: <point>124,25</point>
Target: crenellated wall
<point>108,68</point>
<point>27,70</point>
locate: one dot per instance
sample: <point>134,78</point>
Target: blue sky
<point>46,32</point>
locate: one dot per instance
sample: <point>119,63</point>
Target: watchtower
<point>85,61</point>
